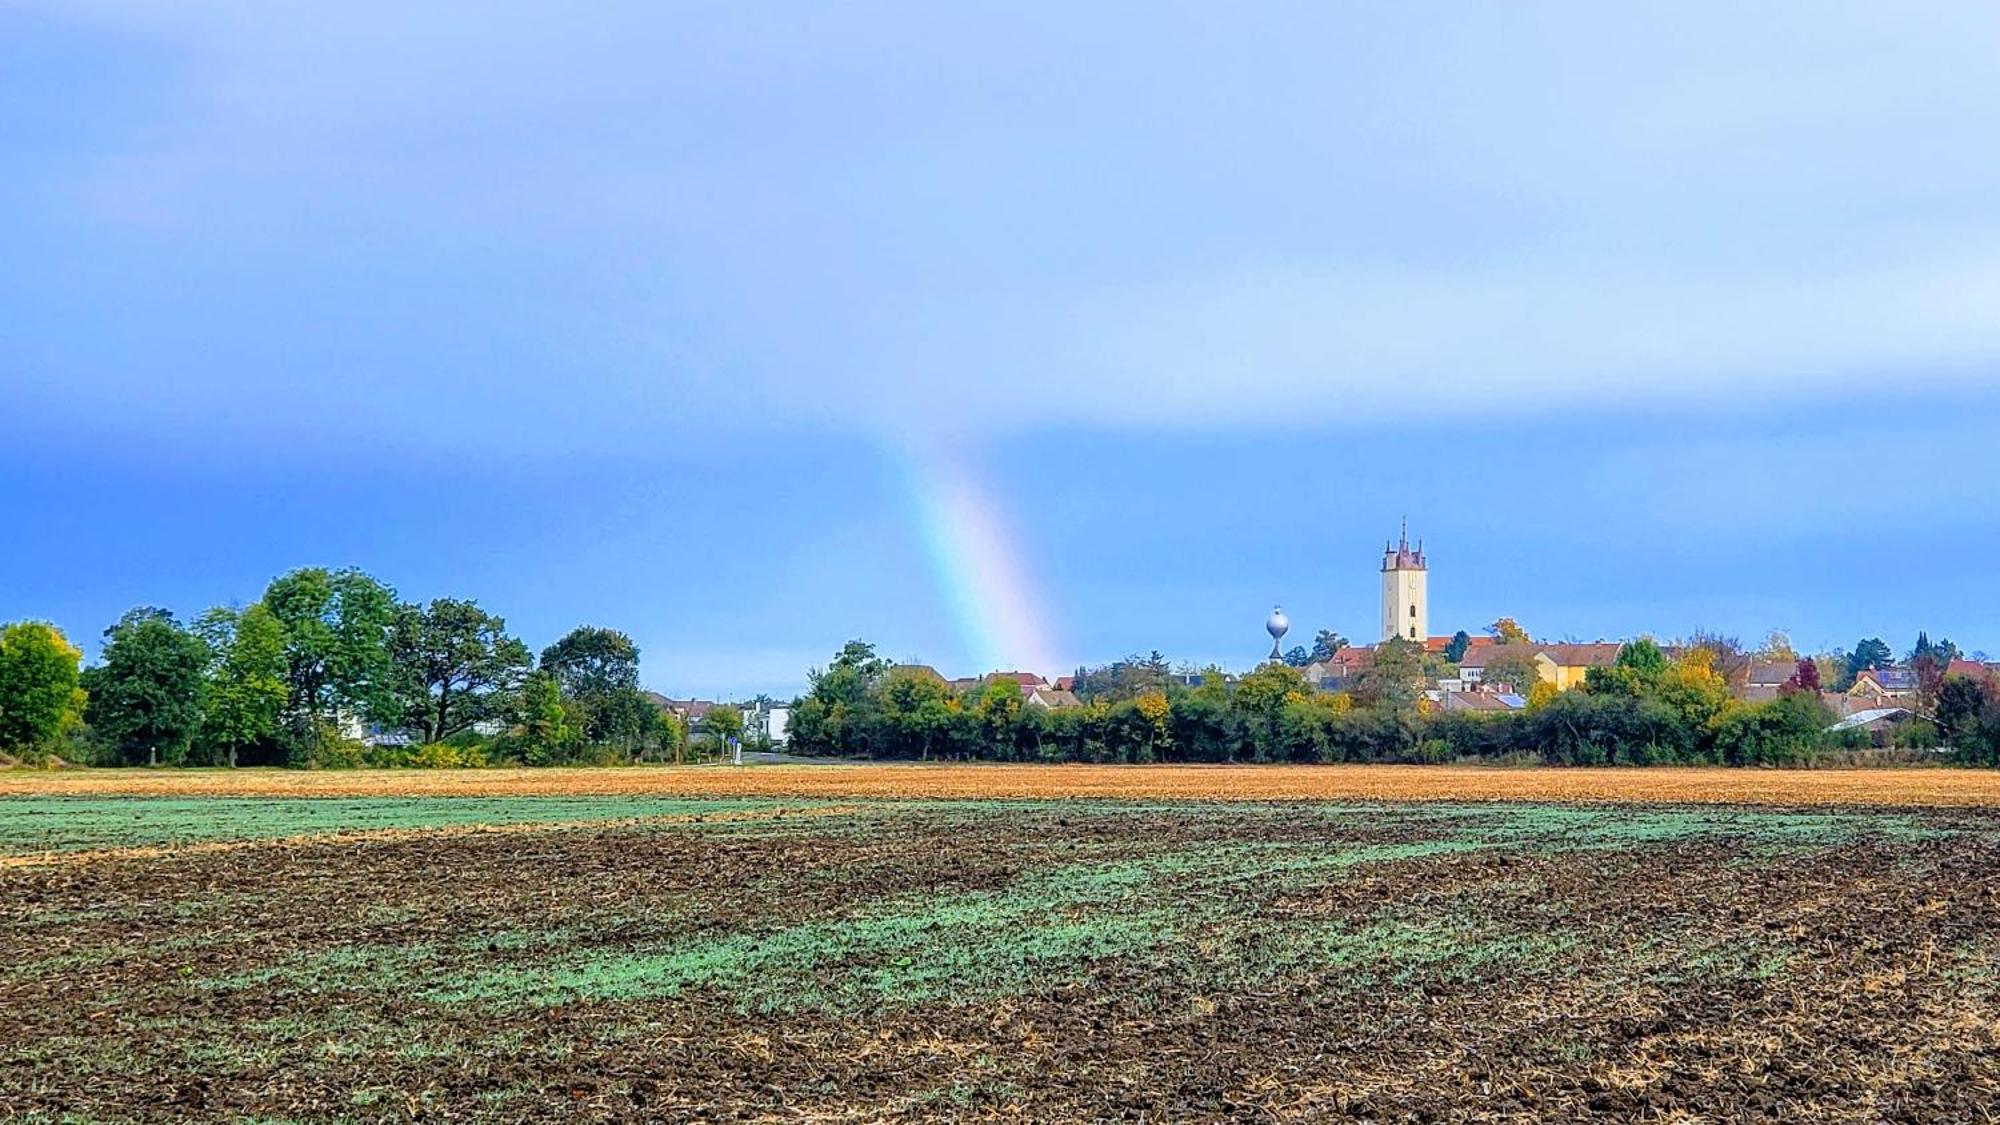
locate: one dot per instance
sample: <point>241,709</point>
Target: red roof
<point>1439,644</point>
<point>1025,679</point>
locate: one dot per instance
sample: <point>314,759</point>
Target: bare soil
<point>1098,962</point>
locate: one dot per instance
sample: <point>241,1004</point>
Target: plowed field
<point>638,956</point>
<point>1941,787</point>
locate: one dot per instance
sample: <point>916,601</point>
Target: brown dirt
<point>1885,1007</point>
<point>1939,787</point>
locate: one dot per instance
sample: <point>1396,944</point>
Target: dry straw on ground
<point>1934,787</point>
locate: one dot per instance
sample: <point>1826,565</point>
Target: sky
<point>1006,334</point>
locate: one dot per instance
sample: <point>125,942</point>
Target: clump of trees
<point>1968,718</point>
<point>1644,709</point>
<point>323,658</point>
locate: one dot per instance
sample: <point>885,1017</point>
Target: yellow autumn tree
<point>40,693</point>
<point>1694,689</point>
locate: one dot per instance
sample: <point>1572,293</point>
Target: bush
<point>1914,735</point>
<point>1788,730</point>
<point>335,753</point>
<point>429,756</point>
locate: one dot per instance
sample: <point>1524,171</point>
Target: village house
<point>1764,680</point>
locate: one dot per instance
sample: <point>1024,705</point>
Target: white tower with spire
<point>1406,606</point>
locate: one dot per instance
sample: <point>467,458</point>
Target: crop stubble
<point>1939,787</point>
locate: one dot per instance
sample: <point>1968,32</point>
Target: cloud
<point>350,223</point>
<point>1295,346</point>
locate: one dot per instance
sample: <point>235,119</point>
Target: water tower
<point>1277,625</point>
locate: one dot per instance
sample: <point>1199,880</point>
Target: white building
<point>773,722</point>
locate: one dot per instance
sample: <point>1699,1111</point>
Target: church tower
<point>1406,607</point>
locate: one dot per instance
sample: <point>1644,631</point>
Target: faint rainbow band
<point>979,564</point>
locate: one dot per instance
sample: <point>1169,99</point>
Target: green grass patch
<point>32,825</point>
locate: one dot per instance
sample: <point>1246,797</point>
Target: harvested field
<point>1933,787</point>
<point>660,956</point>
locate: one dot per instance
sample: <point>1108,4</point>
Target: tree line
<point>1645,708</point>
<point>324,656</point>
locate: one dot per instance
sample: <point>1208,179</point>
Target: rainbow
<point>979,566</point>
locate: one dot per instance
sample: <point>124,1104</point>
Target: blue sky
<point>1649,317</point>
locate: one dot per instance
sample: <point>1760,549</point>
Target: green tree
<point>1637,670</point>
<point>1298,656</point>
<point>244,702</point>
<point>1786,731</point>
<point>1460,641</point>
<point>724,723</point>
<point>1517,670</point>
<point>841,712</point>
<point>1962,701</point>
<point>337,661</point>
<point>1259,701</point>
<point>998,707</point>
<point>599,673</point>
<point>1395,678</point>
<point>1870,652</point>
<point>455,666</point>
<point>40,692</point>
<point>1508,631</point>
<point>670,737</point>
<point>918,709</point>
<point>549,736</point>
<point>1326,643</point>
<point>145,699</point>
<point>592,663</point>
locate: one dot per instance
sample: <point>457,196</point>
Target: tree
<point>1694,689</point>
<point>1460,641</point>
<point>548,734</point>
<point>725,723</point>
<point>1508,631</point>
<point>455,666</point>
<point>1929,662</point>
<point>1326,643</point>
<point>918,708</point>
<point>1298,656</point>
<point>1805,677</point>
<point>1961,702</point>
<point>1867,654</point>
<point>1637,670</point>
<point>671,737</point>
<point>1260,701</point>
<point>337,661</point>
<point>244,701</point>
<point>1154,711</point>
<point>1726,654</point>
<point>1515,670</point>
<point>598,670</point>
<point>1785,731</point>
<point>1394,679</point>
<point>1777,648</point>
<point>591,662</point>
<point>841,711</point>
<point>998,707</point>
<point>40,692</point>
<point>145,699</point>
